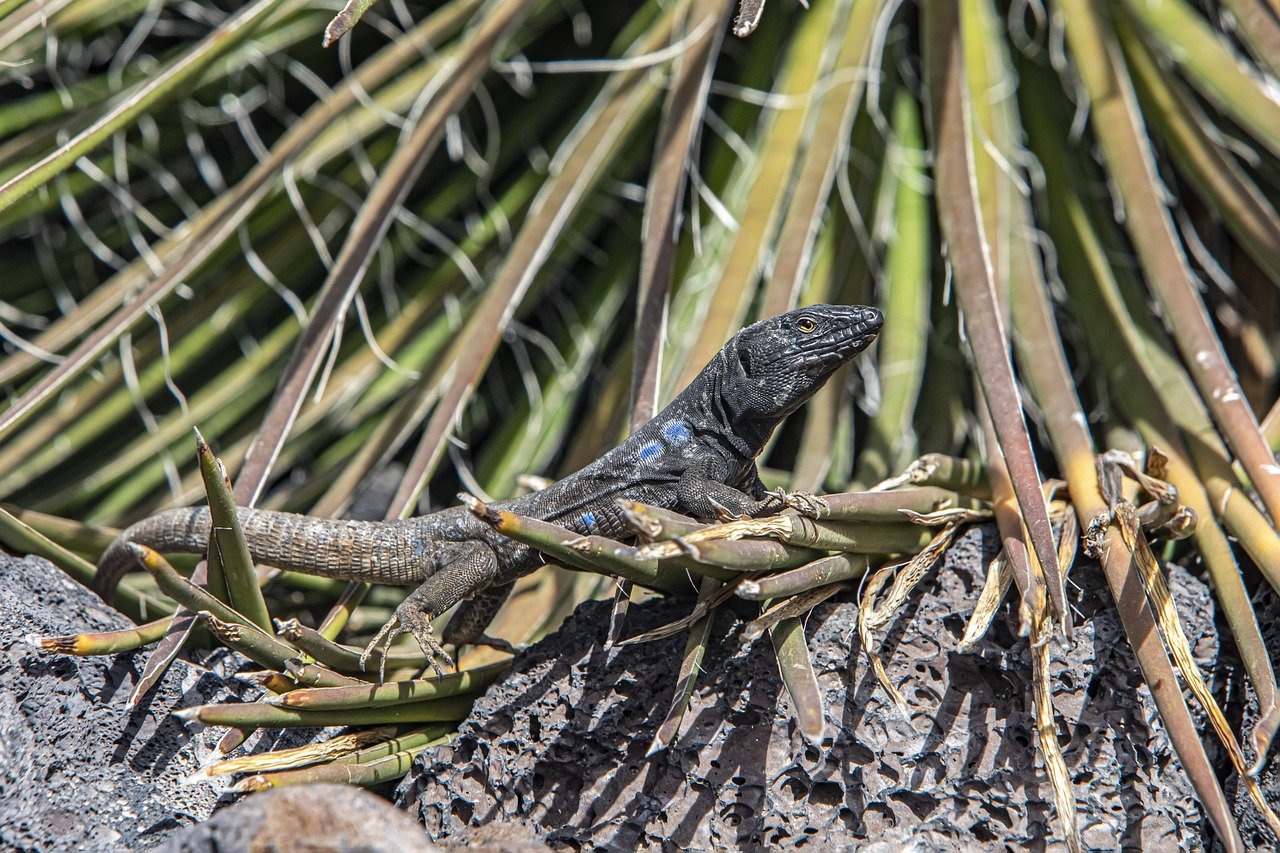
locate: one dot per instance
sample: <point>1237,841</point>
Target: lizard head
<point>778,363</point>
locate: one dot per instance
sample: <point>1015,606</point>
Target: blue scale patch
<point>587,519</point>
<point>650,450</point>
<point>677,432</point>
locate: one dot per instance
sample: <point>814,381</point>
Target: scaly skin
<point>697,456</point>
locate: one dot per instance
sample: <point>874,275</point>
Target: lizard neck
<point>721,405</point>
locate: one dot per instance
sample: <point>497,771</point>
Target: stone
<point>304,817</point>
<point>1254,829</point>
<point>561,742</point>
<point>77,770</point>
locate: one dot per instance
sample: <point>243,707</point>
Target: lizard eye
<point>806,325</point>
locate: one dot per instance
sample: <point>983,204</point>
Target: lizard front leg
<point>702,491</point>
<point>704,494</point>
<point>466,568</point>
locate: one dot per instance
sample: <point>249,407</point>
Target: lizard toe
<point>500,644</point>
<point>407,619</point>
<point>383,638</point>
<point>810,506</point>
<point>425,635</point>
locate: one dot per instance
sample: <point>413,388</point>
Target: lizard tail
<point>178,530</point>
<point>398,553</point>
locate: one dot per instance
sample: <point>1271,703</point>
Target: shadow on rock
<point>78,771</point>
<point>561,743</point>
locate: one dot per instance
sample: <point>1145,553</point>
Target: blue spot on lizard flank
<point>587,519</point>
<point>650,450</point>
<point>677,432</point>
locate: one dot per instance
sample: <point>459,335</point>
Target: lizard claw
<point>810,506</point>
<point>407,619</point>
<point>723,513</point>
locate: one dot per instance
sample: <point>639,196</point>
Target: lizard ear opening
<point>744,360</point>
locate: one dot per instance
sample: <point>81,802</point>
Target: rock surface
<point>1253,826</point>
<point>306,817</point>
<point>561,742</point>
<point>557,750</point>
<point>76,769</point>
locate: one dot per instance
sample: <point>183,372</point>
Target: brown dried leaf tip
<point>345,20</point>
<point>749,12</point>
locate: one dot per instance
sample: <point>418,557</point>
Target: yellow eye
<point>806,325</point>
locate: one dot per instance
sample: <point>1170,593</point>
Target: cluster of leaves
<point>333,260</point>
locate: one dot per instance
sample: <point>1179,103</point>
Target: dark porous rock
<point>562,741</point>
<point>76,769</point>
<point>305,817</point>
<point>1253,826</point>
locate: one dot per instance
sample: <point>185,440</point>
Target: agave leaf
<point>367,772</point>
<point>890,441</point>
<point>1152,387</point>
<point>1258,26</point>
<point>695,649</point>
<point>998,580</point>
<point>1183,125</point>
<point>851,38</point>
<point>589,553</point>
<point>971,257</point>
<point>260,714</point>
<point>579,164</point>
<point>227,544</point>
<point>1210,64</point>
<point>106,642</point>
<point>347,18</point>
<point>822,572</point>
<point>682,116</point>
<point>768,179</point>
<point>1121,132</point>
<point>209,228</point>
<point>1176,639</point>
<point>449,92</point>
<point>391,693</point>
<point>796,668</point>
<point>795,607</point>
<point>162,86</point>
<point>285,759</point>
<point>1047,733</point>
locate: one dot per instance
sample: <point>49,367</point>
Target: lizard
<point>696,456</point>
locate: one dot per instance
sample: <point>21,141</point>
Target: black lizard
<point>696,456</point>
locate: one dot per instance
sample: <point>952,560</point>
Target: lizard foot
<point>810,506</point>
<point>499,644</point>
<point>407,619</point>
